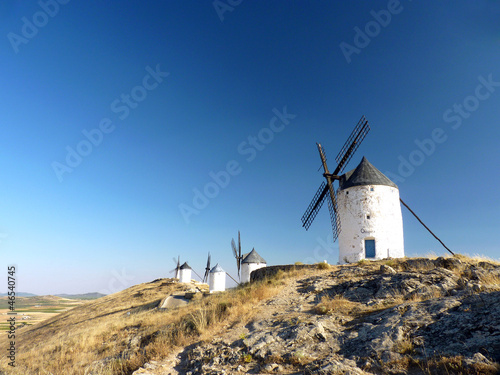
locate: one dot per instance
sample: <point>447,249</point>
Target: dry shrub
<point>338,304</point>
<point>323,266</point>
<point>298,358</point>
<point>404,346</point>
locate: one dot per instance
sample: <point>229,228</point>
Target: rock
<point>387,269</point>
<point>271,367</point>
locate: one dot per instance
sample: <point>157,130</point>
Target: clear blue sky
<point>176,88</point>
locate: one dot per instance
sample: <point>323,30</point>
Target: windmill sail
<point>314,206</point>
<point>237,252</point>
<point>177,269</point>
<point>352,144</point>
<point>207,269</point>
<point>326,188</point>
<point>334,219</point>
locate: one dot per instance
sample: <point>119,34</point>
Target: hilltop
<point>94,295</point>
<point>400,316</point>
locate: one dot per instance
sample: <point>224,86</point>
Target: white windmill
<point>370,212</point>
<point>251,262</point>
<point>367,205</point>
<point>185,273</point>
<point>217,279</point>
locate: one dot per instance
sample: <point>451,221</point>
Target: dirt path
<point>288,304</point>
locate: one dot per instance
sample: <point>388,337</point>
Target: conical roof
<point>253,257</point>
<point>185,266</point>
<point>364,174</point>
<point>217,268</point>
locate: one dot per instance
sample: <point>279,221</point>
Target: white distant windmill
<point>251,262</point>
<point>185,273</point>
<point>217,279</point>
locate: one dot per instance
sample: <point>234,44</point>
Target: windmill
<point>326,188</point>
<point>207,269</point>
<point>366,201</point>
<point>237,252</point>
<point>177,269</point>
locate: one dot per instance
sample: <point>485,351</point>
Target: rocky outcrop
<point>417,316</point>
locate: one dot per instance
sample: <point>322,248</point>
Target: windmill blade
<point>239,244</point>
<point>178,266</point>
<point>322,151</point>
<point>235,251</point>
<point>239,253</point>
<point>314,206</point>
<point>334,218</point>
<point>207,269</point>
<point>351,145</point>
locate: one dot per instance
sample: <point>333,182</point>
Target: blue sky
<point>172,93</point>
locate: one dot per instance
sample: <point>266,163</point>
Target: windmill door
<point>369,248</point>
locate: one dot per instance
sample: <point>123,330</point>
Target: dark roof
<point>185,266</point>
<point>364,174</point>
<point>253,257</point>
<point>217,268</point>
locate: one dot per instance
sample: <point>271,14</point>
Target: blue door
<point>369,248</point>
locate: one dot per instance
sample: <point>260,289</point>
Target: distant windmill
<point>207,269</point>
<point>237,252</point>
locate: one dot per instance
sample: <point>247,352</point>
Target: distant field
<point>31,310</point>
<point>29,302</point>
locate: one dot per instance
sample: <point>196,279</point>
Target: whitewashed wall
<point>185,276</point>
<point>217,281</point>
<point>385,224</point>
<point>247,268</point>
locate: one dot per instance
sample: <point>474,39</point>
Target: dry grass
<point>337,304</point>
<point>100,334</point>
<point>455,365</point>
<point>441,365</point>
<point>405,346</point>
<point>476,258</point>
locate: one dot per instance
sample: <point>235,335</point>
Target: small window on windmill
<point>371,189</point>
<point>367,216</point>
<point>347,192</point>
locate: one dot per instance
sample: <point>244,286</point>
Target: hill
<point>81,296</point>
<point>404,316</point>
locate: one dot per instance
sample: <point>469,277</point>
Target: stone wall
<point>270,271</point>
